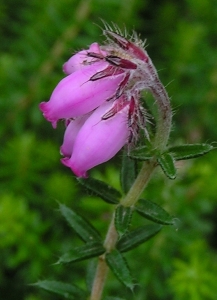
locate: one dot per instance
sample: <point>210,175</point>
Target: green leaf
<point>137,237</point>
<point>153,212</point>
<point>123,216</point>
<point>81,226</point>
<point>128,172</point>
<point>101,189</point>
<point>91,249</point>
<point>68,291</point>
<point>91,269</point>
<point>190,150</point>
<point>141,153</point>
<point>119,267</point>
<point>166,162</point>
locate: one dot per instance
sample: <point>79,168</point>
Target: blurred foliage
<point>36,38</point>
<point>195,278</point>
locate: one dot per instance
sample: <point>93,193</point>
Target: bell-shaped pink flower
<point>99,99</point>
<point>99,139</point>
<point>81,60</point>
<point>81,92</point>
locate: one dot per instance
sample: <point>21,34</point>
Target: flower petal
<point>70,135</point>
<point>81,60</point>
<point>76,95</point>
<point>98,140</point>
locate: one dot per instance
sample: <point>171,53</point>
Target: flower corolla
<point>99,99</point>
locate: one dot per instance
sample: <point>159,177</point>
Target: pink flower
<point>100,100</point>
<point>98,140</point>
<point>78,93</point>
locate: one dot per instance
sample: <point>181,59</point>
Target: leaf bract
<point>101,189</point>
<point>137,237</point>
<point>123,216</point>
<point>69,291</point>
<point>119,267</point>
<point>190,151</point>
<point>128,172</point>
<point>153,212</point>
<point>166,161</point>
<point>81,226</point>
<point>91,249</point>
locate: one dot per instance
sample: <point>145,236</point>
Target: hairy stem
<point>140,183</point>
<point>163,127</point>
<point>100,278</point>
<point>112,236</point>
<point>102,268</point>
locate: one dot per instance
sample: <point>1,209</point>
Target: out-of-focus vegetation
<point>36,38</point>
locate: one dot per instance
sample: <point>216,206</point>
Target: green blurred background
<point>36,38</point>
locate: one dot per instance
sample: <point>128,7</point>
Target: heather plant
<point>37,37</point>
<point>102,102</point>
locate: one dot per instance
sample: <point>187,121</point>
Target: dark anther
<point>95,55</point>
<point>120,62</point>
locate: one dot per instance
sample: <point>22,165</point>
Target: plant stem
<point>163,127</point>
<point>140,183</point>
<point>112,236</point>
<point>102,268</point>
<point>100,278</point>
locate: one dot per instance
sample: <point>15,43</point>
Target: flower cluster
<point>99,100</point>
